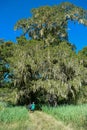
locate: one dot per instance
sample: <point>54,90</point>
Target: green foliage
<point>50,65</point>
<point>82,95</point>
<point>47,70</point>
<point>21,40</point>
<point>6,50</point>
<point>83,57</point>
<point>52,27</point>
<point>3,105</point>
<point>76,115</point>
<point>47,67</point>
<point>8,95</point>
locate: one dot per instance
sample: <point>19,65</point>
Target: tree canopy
<point>50,23</point>
<point>46,68</point>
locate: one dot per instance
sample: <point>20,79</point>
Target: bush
<point>3,105</point>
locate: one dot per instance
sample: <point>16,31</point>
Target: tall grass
<point>76,115</point>
<point>13,118</point>
<point>13,114</point>
<point>9,113</point>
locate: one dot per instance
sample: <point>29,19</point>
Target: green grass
<point>17,118</point>
<point>15,126</point>
<point>13,118</point>
<point>75,115</point>
<point>13,114</point>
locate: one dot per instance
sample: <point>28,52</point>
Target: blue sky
<point>13,10</point>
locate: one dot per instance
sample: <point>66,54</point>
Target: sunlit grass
<point>13,118</point>
<point>13,114</point>
<point>75,115</point>
<point>18,118</point>
<point>20,125</point>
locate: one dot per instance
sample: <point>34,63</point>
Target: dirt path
<point>43,121</point>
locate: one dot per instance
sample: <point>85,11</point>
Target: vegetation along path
<point>42,121</point>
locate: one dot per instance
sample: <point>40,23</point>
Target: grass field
<point>13,118</point>
<point>68,117</point>
<point>74,115</point>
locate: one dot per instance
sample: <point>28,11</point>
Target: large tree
<point>47,72</point>
<point>47,68</point>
